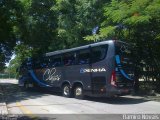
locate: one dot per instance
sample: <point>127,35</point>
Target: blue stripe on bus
<point>117,59</point>
<point>125,75</point>
<point>36,79</point>
<point>121,70</point>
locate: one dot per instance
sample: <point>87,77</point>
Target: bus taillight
<point>113,78</point>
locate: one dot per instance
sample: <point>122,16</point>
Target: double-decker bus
<point>99,69</point>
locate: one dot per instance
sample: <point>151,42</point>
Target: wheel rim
<point>66,90</point>
<point>78,91</point>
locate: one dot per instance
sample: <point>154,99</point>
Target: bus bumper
<point>112,92</point>
<point>119,91</point>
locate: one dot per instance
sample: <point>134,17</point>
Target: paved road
<point>40,103</point>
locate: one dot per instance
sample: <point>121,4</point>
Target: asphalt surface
<point>45,105</point>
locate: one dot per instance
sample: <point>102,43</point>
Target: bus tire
<point>78,92</point>
<point>66,91</point>
<point>26,86</point>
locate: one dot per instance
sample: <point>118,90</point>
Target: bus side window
<point>56,61</point>
<point>37,64</point>
<point>49,62</point>
<point>99,53</point>
<point>44,62</point>
<point>69,59</point>
<point>84,56</point>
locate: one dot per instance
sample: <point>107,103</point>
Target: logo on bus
<point>82,70</point>
<point>50,75</point>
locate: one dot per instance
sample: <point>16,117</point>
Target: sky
<point>13,56</point>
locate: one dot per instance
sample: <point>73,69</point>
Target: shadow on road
<point>112,100</point>
<point>13,94</point>
<point>117,100</point>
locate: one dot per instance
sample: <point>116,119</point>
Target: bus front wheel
<point>66,91</point>
<point>78,92</point>
<point>26,86</point>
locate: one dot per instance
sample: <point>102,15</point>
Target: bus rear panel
<point>122,76</point>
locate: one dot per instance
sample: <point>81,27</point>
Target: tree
<point>10,11</point>
<point>34,31</point>
<point>136,21</point>
<point>21,52</point>
<point>39,26</point>
<point>76,19</point>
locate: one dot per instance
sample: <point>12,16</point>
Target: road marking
<point>26,111</point>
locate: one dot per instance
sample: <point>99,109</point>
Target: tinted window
<point>40,63</point>
<point>124,51</point>
<point>55,61</point>
<point>69,59</point>
<point>45,62</point>
<point>125,58</point>
<point>99,53</point>
<point>84,56</point>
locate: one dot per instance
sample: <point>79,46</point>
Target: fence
<point>7,75</point>
<point>149,77</point>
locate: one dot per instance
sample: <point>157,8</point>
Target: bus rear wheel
<point>66,91</point>
<point>78,92</point>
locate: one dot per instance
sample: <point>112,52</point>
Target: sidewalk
<point>10,81</point>
<point>3,109</point>
<point>3,106</point>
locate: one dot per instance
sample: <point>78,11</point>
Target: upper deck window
<point>69,59</point>
<point>124,51</point>
<point>56,61</point>
<point>84,56</point>
<point>99,53</point>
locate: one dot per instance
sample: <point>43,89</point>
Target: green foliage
<point>105,33</point>
<point>22,52</point>
<point>133,15</point>
<point>136,21</point>
<point>10,16</point>
<point>12,68</point>
<point>39,26</point>
<point>48,25</point>
<point>76,19</point>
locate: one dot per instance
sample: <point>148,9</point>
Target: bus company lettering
<point>82,70</point>
<point>50,75</point>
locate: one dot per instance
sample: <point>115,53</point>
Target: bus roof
<point>79,48</point>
